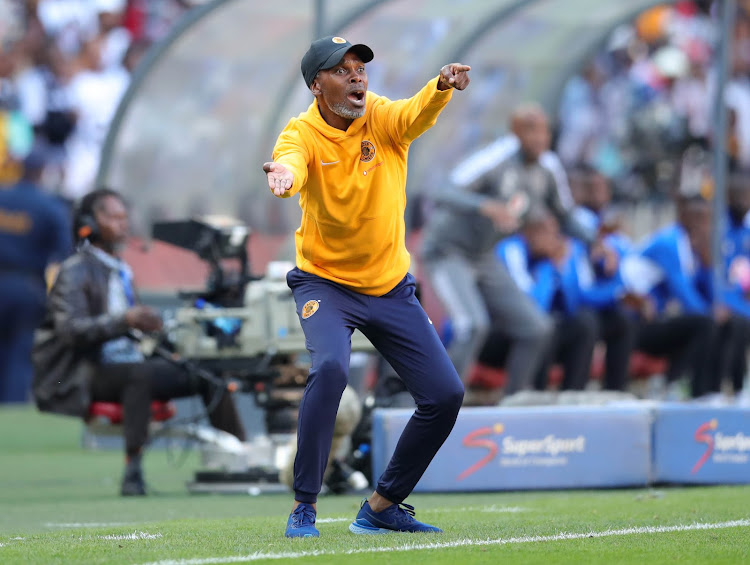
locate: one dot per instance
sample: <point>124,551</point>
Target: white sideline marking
<point>134,536</point>
<point>86,524</point>
<point>488,509</point>
<point>458,543</point>
<point>12,539</point>
<point>329,520</point>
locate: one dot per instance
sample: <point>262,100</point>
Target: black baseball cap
<point>327,52</point>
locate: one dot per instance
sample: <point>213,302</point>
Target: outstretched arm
<point>407,119</point>
<point>280,179</point>
<point>454,75</point>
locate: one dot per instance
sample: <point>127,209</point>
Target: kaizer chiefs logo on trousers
<point>368,152</point>
<point>310,307</point>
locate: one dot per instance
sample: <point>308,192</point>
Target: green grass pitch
<point>59,505</point>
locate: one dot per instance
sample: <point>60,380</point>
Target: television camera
<point>244,328</point>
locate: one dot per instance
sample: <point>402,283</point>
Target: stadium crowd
<point>639,105</point>
<point>635,124</point>
<point>64,67</point>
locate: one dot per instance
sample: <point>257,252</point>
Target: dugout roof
<point>205,106</point>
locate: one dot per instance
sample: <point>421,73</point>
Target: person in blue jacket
<point>730,305</point>
<point>555,271</point>
<point>737,263</point>
<point>609,245</point>
<point>680,258</point>
<point>34,232</point>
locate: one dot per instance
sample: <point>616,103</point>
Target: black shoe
<point>132,484</point>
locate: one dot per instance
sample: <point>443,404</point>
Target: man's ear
<point>315,87</point>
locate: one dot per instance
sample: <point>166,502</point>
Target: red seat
<point>112,411</point>
<point>643,365</point>
<point>485,377</point>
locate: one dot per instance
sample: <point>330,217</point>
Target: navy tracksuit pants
<point>400,330</point>
<point>22,299</point>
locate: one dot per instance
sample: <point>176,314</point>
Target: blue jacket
<point>669,250</point>
<point>736,242</point>
<point>736,251</point>
<point>684,278</point>
<point>34,230</point>
<point>565,288</point>
<point>591,222</point>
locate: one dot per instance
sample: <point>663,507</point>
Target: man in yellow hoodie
<point>346,156</point>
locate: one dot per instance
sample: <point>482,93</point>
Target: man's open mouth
<point>357,98</point>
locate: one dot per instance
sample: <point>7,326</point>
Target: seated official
<point>666,272</point>
<point>610,244</point>
<point>82,352</point>
<point>678,336</point>
<point>684,253</point>
<point>678,265</point>
<point>554,270</point>
<point>737,265</point>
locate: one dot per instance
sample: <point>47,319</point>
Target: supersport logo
<point>475,439</point>
<point>701,436</point>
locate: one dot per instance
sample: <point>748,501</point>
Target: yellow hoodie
<point>352,187</point>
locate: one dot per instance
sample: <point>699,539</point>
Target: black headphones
<point>85,227</point>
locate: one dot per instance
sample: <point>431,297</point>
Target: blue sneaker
<point>395,518</point>
<point>301,523</point>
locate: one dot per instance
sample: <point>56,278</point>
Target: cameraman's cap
<point>327,52</point>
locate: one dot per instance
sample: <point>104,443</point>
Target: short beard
<point>344,111</point>
<point>114,248</point>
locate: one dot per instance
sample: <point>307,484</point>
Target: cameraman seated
<point>83,353</point>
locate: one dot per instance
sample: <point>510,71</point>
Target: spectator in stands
<point>690,94</point>
<point>74,60</point>
<point>45,102</point>
<point>68,23</point>
<point>490,194</point>
<point>114,36</point>
<point>83,352</point>
<point>34,232</point>
<point>11,21</point>
<point>95,93</point>
<point>584,123</point>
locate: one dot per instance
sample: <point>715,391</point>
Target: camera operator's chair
<point>105,419</point>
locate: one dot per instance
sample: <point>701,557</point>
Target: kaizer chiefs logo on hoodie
<point>368,152</point>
